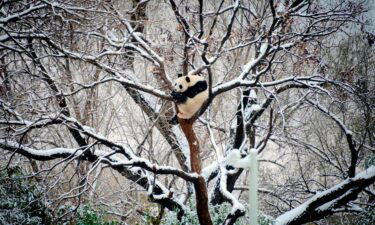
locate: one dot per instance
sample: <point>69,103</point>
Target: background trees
<point>85,104</point>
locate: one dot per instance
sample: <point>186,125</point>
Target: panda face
<point>182,84</point>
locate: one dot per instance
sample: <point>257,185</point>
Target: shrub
<point>21,199</point>
<point>218,214</point>
<point>87,216</point>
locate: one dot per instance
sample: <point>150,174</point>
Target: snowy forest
<point>86,112</point>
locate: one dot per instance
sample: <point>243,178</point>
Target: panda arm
<point>179,97</point>
<point>200,86</point>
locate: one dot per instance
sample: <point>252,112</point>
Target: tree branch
<point>325,203</point>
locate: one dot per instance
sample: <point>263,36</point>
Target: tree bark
<point>195,163</point>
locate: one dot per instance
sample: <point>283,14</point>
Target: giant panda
<point>190,92</point>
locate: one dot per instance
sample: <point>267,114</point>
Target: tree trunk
<point>195,163</point>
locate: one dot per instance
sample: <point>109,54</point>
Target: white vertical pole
<point>253,187</point>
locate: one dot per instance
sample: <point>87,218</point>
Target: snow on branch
<point>159,60</point>
<point>328,113</point>
<point>325,203</point>
<point>64,153</point>
<point>238,209</point>
<point>16,16</point>
<point>125,167</point>
<point>145,164</point>
<point>107,157</point>
<point>42,155</point>
<point>118,76</point>
<point>308,81</point>
<point>348,134</point>
<point>126,82</point>
<point>27,125</point>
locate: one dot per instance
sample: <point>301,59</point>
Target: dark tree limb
<point>195,162</point>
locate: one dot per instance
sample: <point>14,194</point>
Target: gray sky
<point>371,15</point>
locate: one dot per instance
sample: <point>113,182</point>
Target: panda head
<point>182,83</point>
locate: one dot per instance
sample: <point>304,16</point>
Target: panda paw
<point>174,120</point>
<point>180,98</point>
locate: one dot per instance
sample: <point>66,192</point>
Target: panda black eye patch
<point>180,86</point>
<point>187,79</point>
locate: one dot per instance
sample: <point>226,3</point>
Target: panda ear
<point>179,75</point>
<point>187,79</point>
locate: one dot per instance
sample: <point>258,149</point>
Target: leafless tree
<point>85,85</point>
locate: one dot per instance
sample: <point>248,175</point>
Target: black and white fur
<point>190,92</point>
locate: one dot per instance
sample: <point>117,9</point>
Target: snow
<point>253,62</point>
<point>329,205</point>
<point>146,88</point>
<point>289,216</point>
<point>149,51</point>
<point>22,13</point>
<point>263,48</point>
<point>367,174</point>
<point>103,155</point>
<point>108,157</point>
<point>284,46</point>
<point>255,108</point>
<point>298,211</point>
<point>234,159</point>
<point>253,94</point>
<point>280,8</point>
<point>355,207</point>
<point>46,153</point>
<point>88,129</point>
<point>112,37</point>
<point>249,111</point>
<point>160,197</point>
<point>137,170</point>
<point>243,163</point>
<point>334,117</point>
<point>208,170</point>
<point>231,83</point>
<point>236,205</point>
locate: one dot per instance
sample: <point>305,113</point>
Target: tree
<point>86,86</point>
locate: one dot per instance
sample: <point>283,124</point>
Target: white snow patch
<point>236,205</point>
<point>290,215</point>
<point>263,48</point>
<point>249,111</point>
<point>255,107</point>
<point>370,172</point>
<point>233,157</point>
<point>208,170</point>
<point>243,163</point>
<point>253,94</point>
